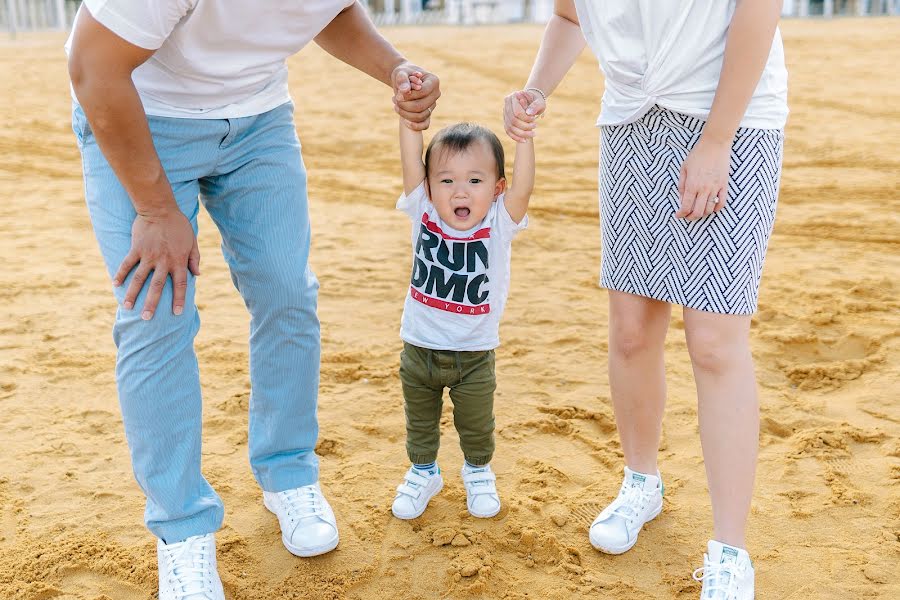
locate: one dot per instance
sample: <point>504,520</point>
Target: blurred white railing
<point>458,12</point>
<point>830,8</point>
<point>31,15</point>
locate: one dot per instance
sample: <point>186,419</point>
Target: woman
<point>691,143</point>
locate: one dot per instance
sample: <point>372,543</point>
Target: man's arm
<point>163,241</point>
<point>352,38</point>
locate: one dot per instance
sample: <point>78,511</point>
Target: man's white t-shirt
<point>215,59</point>
<point>670,52</point>
<point>460,279</point>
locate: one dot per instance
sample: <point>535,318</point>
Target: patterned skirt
<point>712,264</point>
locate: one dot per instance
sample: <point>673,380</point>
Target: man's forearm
<point>351,37</point>
<point>113,108</point>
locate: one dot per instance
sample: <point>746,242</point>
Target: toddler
<point>464,218</point>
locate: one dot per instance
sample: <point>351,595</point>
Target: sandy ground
<point>826,516</point>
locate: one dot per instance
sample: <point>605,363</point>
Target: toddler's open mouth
<point>462,212</point>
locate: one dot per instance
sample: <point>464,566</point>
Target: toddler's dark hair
<point>457,138</point>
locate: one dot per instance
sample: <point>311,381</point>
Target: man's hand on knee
<point>161,246</point>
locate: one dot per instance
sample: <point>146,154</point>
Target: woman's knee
<point>715,345</point>
<point>636,325</point>
<point>631,338</point>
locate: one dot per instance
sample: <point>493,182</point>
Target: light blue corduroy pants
<point>249,174</point>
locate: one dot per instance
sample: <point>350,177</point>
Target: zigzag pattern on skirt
<point>713,264</point>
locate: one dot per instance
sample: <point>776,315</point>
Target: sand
<point>826,516</point>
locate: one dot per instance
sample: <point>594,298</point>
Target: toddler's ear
<point>500,187</point>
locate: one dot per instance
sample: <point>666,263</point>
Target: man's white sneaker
<point>481,491</point>
<point>187,570</point>
<point>417,489</point>
<point>727,573</point>
<point>308,526</point>
<point>616,528</point>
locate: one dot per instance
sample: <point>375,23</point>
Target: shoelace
<point>190,567</point>
<point>302,503</point>
<point>633,500</point>
<point>720,581</point>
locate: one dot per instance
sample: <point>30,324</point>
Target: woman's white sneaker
<point>417,489</point>
<point>616,528</point>
<point>727,573</point>
<point>187,570</point>
<point>482,499</point>
<point>308,525</point>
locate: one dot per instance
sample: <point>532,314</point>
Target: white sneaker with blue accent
<point>308,525</point>
<point>188,571</point>
<point>416,491</point>
<point>482,499</point>
<point>727,573</point>
<point>616,528</point>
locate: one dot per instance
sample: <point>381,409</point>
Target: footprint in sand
<point>352,367</point>
<point>8,521</point>
<point>83,583</point>
<point>813,362</point>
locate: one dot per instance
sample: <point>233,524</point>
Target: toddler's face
<point>462,186</point>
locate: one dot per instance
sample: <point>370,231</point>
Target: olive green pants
<point>470,376</point>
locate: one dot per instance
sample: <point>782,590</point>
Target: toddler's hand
<point>415,84</point>
<point>415,80</point>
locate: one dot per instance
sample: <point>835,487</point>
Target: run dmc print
<point>450,273</point>
<point>459,280</point>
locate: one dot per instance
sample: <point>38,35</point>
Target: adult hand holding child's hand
<point>415,94</point>
<point>521,110</point>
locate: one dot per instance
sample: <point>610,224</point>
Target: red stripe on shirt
<point>451,307</point>
<point>481,234</point>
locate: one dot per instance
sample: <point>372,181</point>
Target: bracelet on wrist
<point>540,92</point>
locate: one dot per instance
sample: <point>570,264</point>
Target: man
<point>182,101</point>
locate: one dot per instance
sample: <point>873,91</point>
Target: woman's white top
<point>670,52</point>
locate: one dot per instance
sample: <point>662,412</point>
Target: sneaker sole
<point>424,506</point>
<point>305,552</point>
<point>485,515</point>
<point>624,549</point>
<point>308,552</point>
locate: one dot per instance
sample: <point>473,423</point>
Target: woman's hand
<point>703,184</point>
<point>520,113</point>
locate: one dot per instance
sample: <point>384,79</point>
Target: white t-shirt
<point>460,279</point>
<point>669,52</point>
<point>215,59</point>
